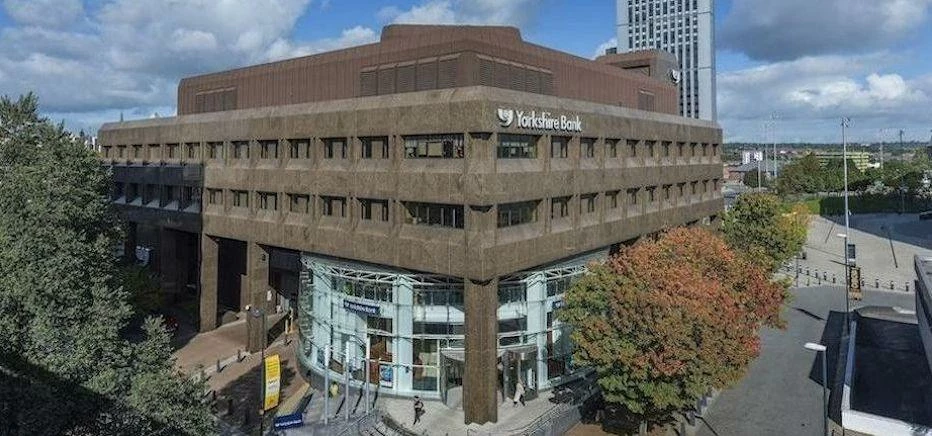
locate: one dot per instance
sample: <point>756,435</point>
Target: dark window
<point>132,191</point>
<point>155,152</point>
<point>375,147</point>
<point>651,194</point>
<point>240,149</point>
<point>215,196</point>
<point>118,190</point>
<point>559,207</point>
<point>333,206</point>
<point>587,203</point>
<point>666,192</point>
<point>240,198</point>
<point>172,150</point>
<point>681,149</point>
<point>650,148</point>
<point>512,293</point>
<point>681,187</point>
<point>666,148</point>
<point>611,147</point>
<point>299,203</point>
<point>299,148</point>
<point>137,151</point>
<point>376,210</point>
<point>587,146</point>
<point>169,195</point>
<point>714,149</point>
<point>633,197</point>
<point>450,146</point>
<point>612,199</point>
<point>632,148</point>
<point>693,187</point>
<point>443,295</point>
<point>190,196</point>
<point>268,149</point>
<point>434,214</point>
<point>191,149</point>
<point>692,149</point>
<point>517,146</point>
<point>335,148</point>
<point>215,150</point>
<point>513,214</point>
<point>267,200</point>
<point>152,194</point>
<point>559,147</point>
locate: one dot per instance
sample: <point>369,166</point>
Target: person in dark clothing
<point>418,409</point>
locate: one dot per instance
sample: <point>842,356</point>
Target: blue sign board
<point>364,309</point>
<point>289,421</point>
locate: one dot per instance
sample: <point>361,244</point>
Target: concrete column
<point>480,381</point>
<point>537,321</point>
<point>257,281</point>
<point>404,328</point>
<point>169,268</point>
<point>210,253</point>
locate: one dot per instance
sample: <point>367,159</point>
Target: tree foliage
<point>762,227</point>
<point>667,320</point>
<point>62,307</point>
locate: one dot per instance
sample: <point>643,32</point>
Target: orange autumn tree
<point>666,320</point>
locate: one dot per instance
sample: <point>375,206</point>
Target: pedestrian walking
<point>519,394</point>
<point>418,409</point>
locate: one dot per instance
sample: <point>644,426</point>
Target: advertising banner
<point>271,382</point>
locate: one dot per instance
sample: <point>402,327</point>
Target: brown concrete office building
<point>434,193</point>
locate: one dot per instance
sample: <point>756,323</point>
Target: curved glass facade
<point>414,325</point>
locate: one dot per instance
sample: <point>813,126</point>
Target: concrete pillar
<point>480,380</point>
<point>169,268</point>
<point>404,328</point>
<point>210,254</point>
<point>257,281</point>
<point>537,321</point>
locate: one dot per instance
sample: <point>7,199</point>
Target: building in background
<point>861,159</point>
<point>685,28</point>
<point>749,156</point>
<point>435,194</point>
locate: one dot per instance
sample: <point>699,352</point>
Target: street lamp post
<point>326,384</point>
<point>845,123</point>
<point>820,349</point>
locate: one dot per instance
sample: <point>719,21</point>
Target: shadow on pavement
<point>241,399</point>
<point>832,339</point>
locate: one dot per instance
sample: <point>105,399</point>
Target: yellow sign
<point>272,376</point>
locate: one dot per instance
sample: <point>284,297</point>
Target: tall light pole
<point>773,134</point>
<point>820,349</point>
<point>845,123</point>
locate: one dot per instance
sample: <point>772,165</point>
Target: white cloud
<point>600,50</point>
<point>488,12</point>
<point>52,13</point>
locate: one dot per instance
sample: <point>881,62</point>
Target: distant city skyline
<point>809,62</point>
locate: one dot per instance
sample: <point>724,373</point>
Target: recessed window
<point>693,187</point>
<point>514,214</point>
<point>512,293</point>
<point>693,149</point>
<point>559,207</point>
<point>333,206</point>
<point>240,149</point>
<point>373,210</point>
<point>151,194</point>
<point>587,146</point>
<point>214,196</point>
<point>632,148</point>
<point>714,149</point>
<point>434,147</point>
<point>335,148</point>
<point>214,150</point>
<point>611,198</point>
<point>137,151</point>
<point>434,214</point>
<point>240,198</point>
<point>666,148</point>
<point>299,203</point>
<point>169,195</point>
<point>681,149</point>
<point>587,203</point>
<point>375,147</point>
<point>559,147</point>
<point>633,196</point>
<point>651,194</point>
<point>268,149</point>
<point>299,148</point>
<point>172,150</point>
<point>651,145</point>
<point>267,200</point>
<point>191,149</point>
<point>666,192</point>
<point>611,146</point>
<point>155,152</point>
<point>681,190</point>
<point>517,146</point>
<point>118,190</point>
<point>190,196</point>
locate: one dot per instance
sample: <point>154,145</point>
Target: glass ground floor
<point>413,324</point>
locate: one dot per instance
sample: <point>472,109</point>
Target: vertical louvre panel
<point>546,83</point>
<point>446,74</point>
<point>516,74</point>
<point>427,75</point>
<point>386,81</point>
<point>406,78</point>
<point>199,104</point>
<point>502,75</point>
<point>486,72</point>
<point>368,83</point>
<point>228,99</point>
<point>533,81</point>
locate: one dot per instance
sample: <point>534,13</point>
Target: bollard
<point>825,276</point>
<point>807,281</point>
<point>807,271</point>
<point>219,367</point>
<point>877,283</point>
<point>833,279</point>
<point>239,355</point>
<point>891,285</point>
<point>819,280</point>
<point>907,286</point>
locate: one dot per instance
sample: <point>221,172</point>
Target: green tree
<point>801,176</point>
<point>62,307</point>
<point>750,180</point>
<point>762,227</point>
<point>667,320</point>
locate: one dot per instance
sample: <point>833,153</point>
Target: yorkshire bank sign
<point>539,120</point>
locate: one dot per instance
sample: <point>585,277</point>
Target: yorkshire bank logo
<point>535,120</point>
<point>506,117</point>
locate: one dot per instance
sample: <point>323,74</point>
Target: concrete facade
<point>522,178</point>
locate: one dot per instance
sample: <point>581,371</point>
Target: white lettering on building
<point>539,120</point>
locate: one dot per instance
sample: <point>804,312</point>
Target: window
<point>705,149</point>
<point>450,146</point>
<point>651,194</point>
<point>267,200</point>
<point>633,197</point>
<point>214,196</point>
<point>375,147</point>
<point>611,198</point>
<point>190,196</point>
<point>155,152</point>
<point>666,192</point>
<point>513,214</point>
<point>215,150</point>
<point>705,186</point>
<point>559,146</point>
<point>437,328</point>
<point>169,195</point>
<point>299,148</point>
<point>611,147</point>
<point>512,293</point>
<point>517,146</point>
<point>666,148</point>
<point>559,207</point>
<point>376,210</point>
<point>172,150</point>
<point>240,198</point>
<point>443,295</point>
<point>692,149</point>
<point>587,148</point>
<point>693,186</point>
<point>240,149</point>
<point>335,148</point>
<point>434,214</point>
<point>368,290</point>
<point>681,149</point>
<point>714,149</point>
<point>333,206</point>
<point>587,203</point>
<point>650,148</point>
<point>299,203</point>
<point>152,194</point>
<point>377,324</point>
<point>681,188</point>
<point>132,192</point>
<point>137,152</point>
<point>268,149</point>
<point>118,190</point>
<point>632,148</point>
<point>191,150</point>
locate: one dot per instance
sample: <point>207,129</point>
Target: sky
<point>804,64</point>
